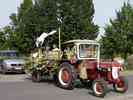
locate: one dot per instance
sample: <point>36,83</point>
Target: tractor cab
<point>82,50</point>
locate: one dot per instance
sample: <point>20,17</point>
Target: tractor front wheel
<point>99,88</point>
<point>121,86</point>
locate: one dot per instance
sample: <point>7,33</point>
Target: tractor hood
<point>106,64</point>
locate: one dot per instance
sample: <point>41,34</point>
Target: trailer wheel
<point>36,76</point>
<point>121,86</point>
<point>99,88</point>
<point>66,76</point>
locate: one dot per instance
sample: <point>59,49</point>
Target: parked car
<point>13,65</point>
<point>11,62</point>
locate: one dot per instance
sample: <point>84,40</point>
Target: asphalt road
<point>18,87</point>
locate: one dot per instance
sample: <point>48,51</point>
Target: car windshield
<point>88,51</point>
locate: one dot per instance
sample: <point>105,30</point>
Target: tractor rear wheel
<point>121,86</point>
<point>99,87</point>
<point>66,76</point>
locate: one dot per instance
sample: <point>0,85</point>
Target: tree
<point>20,22</point>
<point>76,21</point>
<point>2,39</point>
<point>119,34</point>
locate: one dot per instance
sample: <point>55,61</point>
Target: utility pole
<point>59,29</point>
<point>59,19</point>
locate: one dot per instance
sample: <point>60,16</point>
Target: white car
<point>11,62</point>
<point>13,65</point>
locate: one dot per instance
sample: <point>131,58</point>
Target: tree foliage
<point>119,33</point>
<point>7,38</point>
<point>74,17</point>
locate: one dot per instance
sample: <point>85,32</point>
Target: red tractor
<point>81,60</point>
<point>78,59</point>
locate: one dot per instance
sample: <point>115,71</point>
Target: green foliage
<point>2,38</point>
<point>77,16</point>
<point>21,27</point>
<point>119,33</point>
<point>33,19</point>
<point>7,38</point>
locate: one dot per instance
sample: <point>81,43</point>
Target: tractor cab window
<point>69,51</point>
<point>88,51</point>
<point>69,48</point>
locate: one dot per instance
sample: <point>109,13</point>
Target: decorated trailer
<point>78,59</point>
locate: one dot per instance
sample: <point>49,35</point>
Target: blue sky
<point>6,8</point>
<point>104,9</point>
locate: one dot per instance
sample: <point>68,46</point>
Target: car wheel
<point>3,70</point>
<point>66,76</point>
<point>99,88</point>
<point>121,86</point>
